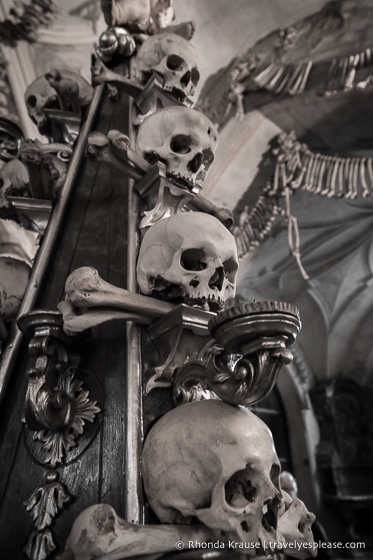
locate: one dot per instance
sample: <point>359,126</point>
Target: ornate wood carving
<point>43,505</point>
<point>255,338</point>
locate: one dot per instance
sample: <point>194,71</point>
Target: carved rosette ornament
<point>57,406</point>
<point>56,410</point>
<point>57,443</point>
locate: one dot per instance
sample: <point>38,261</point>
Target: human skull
<point>39,96</point>
<point>183,139</point>
<point>217,463</point>
<point>14,181</point>
<point>190,257</point>
<point>174,59</point>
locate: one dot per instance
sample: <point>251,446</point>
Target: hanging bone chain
<point>256,224</point>
<point>298,167</point>
<point>330,176</point>
<point>350,71</point>
<point>282,78</point>
<point>345,73</point>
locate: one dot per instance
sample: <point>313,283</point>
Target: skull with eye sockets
<point>39,96</point>
<point>181,138</point>
<point>189,258</point>
<point>173,59</point>
<point>215,462</point>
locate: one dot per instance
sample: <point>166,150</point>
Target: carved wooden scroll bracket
<point>46,407</point>
<point>255,338</point>
<point>57,406</point>
<point>163,196</point>
<point>180,336</point>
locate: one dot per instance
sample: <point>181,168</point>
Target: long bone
<point>114,150</point>
<point>74,324</point>
<point>99,533</point>
<point>98,302</point>
<point>85,288</point>
<point>100,149</point>
<point>102,75</point>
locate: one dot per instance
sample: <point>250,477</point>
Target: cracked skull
<point>190,257</point>
<point>173,59</point>
<point>181,138</point>
<point>214,462</point>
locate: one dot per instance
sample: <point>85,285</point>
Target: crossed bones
<point>114,150</point>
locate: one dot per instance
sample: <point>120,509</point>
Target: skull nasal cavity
<point>217,279</point>
<point>269,519</point>
<point>186,78</point>
<point>174,62</point>
<point>31,100</point>
<point>239,490</point>
<point>193,259</point>
<point>195,163</point>
<point>180,144</point>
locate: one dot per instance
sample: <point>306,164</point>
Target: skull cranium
<point>39,96</point>
<point>57,89</point>
<point>217,463</point>
<point>172,58</point>
<point>183,139</point>
<point>190,257</point>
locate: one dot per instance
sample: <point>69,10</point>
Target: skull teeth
<point>210,303</point>
<point>184,178</point>
<point>176,92</point>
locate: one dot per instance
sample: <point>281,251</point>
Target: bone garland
<point>257,223</point>
<point>273,76</point>
<point>349,72</point>
<point>352,71</point>
<point>331,176</point>
<point>293,234</point>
